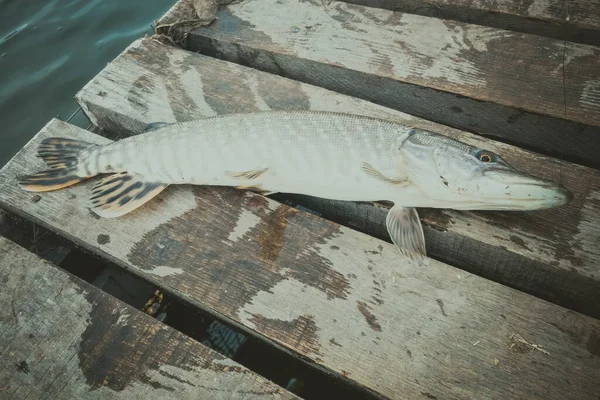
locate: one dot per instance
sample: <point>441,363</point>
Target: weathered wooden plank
<point>341,299</point>
<point>537,92</point>
<point>552,254</point>
<point>576,21</point>
<point>62,338</point>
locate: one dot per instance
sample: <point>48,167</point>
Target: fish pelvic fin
<point>406,232</point>
<point>249,175</point>
<point>62,156</point>
<point>121,193</point>
<point>256,189</point>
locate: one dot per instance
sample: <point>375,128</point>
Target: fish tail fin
<point>62,157</point>
<point>60,152</point>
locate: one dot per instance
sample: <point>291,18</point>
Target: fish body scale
<point>318,154</point>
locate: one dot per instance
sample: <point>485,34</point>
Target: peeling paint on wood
<point>246,221</point>
<point>313,283</point>
<point>163,271</point>
<point>546,253</point>
<point>576,21</point>
<point>423,66</point>
<point>171,241</point>
<point>369,317</point>
<point>301,332</point>
<point>68,340</point>
<point>103,239</point>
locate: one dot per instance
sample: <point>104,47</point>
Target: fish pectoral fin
<point>406,232</point>
<point>253,174</point>
<point>121,193</point>
<point>374,172</point>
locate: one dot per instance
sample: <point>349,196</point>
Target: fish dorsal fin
<point>375,173</point>
<point>120,193</point>
<point>152,126</point>
<point>406,232</point>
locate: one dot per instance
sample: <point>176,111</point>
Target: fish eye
<point>485,156</point>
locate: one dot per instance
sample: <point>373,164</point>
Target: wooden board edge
<point>563,28</point>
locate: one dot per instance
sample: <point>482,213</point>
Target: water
<point>49,49</point>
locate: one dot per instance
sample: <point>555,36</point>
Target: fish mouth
<point>561,195</point>
<point>514,190</point>
<point>510,190</point>
<point>555,196</point>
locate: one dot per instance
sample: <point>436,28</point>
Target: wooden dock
<point>63,338</point>
<point>509,307</point>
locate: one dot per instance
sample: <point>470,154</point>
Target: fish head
<point>452,174</point>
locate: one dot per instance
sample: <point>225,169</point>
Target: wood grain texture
<point>536,92</point>
<point>342,300</point>
<point>576,21</point>
<point>552,254</point>
<point>62,338</point>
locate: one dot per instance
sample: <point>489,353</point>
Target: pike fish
<point>322,154</point>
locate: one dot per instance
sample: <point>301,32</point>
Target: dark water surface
<point>49,49</point>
